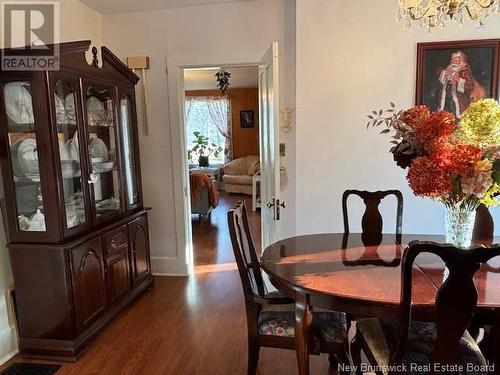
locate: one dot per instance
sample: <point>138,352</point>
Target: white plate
<point>28,157</point>
<point>61,117</point>
<point>15,160</point>
<point>94,105</point>
<point>98,149</point>
<point>18,104</point>
<point>69,106</point>
<point>101,167</point>
<point>64,153</point>
<point>72,145</point>
<point>96,113</point>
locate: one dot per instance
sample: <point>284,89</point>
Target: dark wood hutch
<point>77,229</point>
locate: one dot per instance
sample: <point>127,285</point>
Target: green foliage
<point>202,147</point>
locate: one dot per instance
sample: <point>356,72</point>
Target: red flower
<point>427,178</point>
<point>438,128</point>
<point>459,159</point>
<point>416,116</point>
<point>442,154</point>
<point>465,157</point>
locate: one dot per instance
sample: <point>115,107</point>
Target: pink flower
<point>479,182</point>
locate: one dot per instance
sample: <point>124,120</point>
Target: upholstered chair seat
<point>381,336</point>
<point>328,326</point>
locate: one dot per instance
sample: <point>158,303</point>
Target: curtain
<point>219,111</point>
<point>188,102</point>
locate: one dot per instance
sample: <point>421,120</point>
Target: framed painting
<point>452,75</point>
<point>247,119</point>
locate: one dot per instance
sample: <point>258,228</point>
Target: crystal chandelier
<point>435,13</point>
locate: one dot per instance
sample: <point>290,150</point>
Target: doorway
<point>221,128</point>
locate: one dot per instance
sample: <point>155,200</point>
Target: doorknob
<point>283,204</point>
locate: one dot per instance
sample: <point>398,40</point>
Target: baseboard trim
<point>170,274</point>
<point>8,344</point>
<point>169,266</point>
<point>8,357</point>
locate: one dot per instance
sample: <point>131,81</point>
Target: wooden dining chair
<point>271,316</point>
<point>372,222</point>
<point>445,341</point>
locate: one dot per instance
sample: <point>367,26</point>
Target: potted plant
<point>204,149</point>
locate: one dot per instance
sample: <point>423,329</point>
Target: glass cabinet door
<point>24,156</point>
<point>127,131</point>
<point>103,151</point>
<point>65,100</point>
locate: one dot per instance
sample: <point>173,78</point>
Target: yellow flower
<point>480,124</point>
<point>491,198</point>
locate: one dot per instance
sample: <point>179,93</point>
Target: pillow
<point>254,168</point>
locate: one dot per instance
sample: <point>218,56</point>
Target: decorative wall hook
<point>286,119</point>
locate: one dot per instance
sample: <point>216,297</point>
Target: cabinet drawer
<point>116,240</point>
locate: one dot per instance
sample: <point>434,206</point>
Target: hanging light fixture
<point>436,13</point>
<point>222,78</point>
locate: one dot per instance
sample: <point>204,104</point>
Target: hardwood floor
<point>211,242</point>
<point>187,325</point>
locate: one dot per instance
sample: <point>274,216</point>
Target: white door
<point>269,147</point>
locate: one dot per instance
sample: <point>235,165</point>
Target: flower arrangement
<point>457,164</point>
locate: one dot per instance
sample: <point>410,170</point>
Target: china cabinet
<point>76,226</point>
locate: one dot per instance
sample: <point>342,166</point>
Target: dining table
<point>345,272</point>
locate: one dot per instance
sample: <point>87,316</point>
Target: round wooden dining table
<point>340,272</point>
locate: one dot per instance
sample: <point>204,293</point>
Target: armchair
<point>238,174</point>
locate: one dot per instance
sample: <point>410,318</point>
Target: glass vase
<point>459,225</point>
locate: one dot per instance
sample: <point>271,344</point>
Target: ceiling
<point>205,79</point>
<point>124,6</point>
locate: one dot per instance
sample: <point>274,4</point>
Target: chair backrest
<point>456,299</point>
<point>244,251</point>
<point>372,222</point>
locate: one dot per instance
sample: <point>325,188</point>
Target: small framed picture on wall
<point>452,75</point>
<point>247,119</point>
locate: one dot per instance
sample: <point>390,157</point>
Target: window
<point>208,116</point>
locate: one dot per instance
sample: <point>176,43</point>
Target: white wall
<point>190,36</point>
<point>287,82</point>
<point>77,22</point>
<point>80,22</point>
<point>352,57</point>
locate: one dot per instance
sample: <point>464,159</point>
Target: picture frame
<point>247,119</point>
<point>451,75</point>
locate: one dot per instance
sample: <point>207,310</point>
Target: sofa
<point>238,174</point>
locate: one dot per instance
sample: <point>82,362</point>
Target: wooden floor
<point>187,325</point>
<point>211,242</point>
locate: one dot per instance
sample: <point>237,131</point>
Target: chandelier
<point>435,13</point>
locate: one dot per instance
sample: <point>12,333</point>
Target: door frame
<point>183,263</point>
